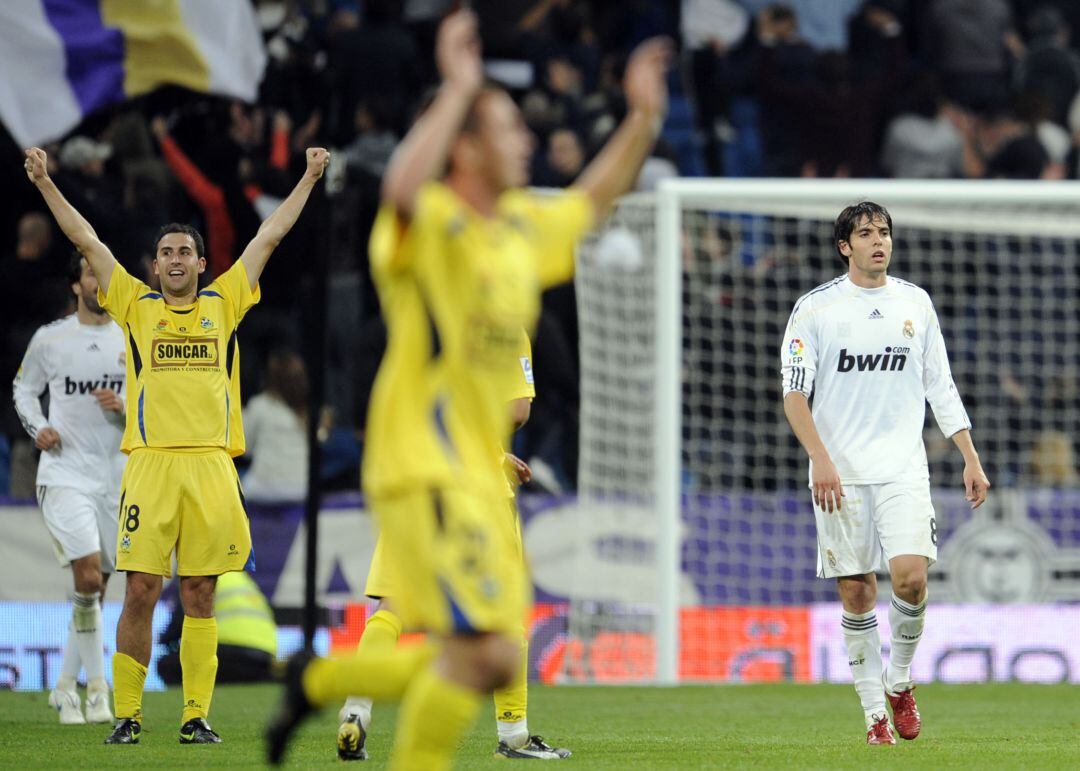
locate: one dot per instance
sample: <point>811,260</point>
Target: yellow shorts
<point>190,501</point>
<point>461,577</point>
<point>380,581</point>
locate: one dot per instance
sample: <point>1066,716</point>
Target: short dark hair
<point>176,227</point>
<point>850,217</point>
<point>781,12</point>
<point>74,270</point>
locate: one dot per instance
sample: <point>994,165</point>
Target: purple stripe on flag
<point>94,53</point>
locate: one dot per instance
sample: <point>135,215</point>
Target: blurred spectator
<point>220,232</point>
<point>868,33</point>
<point>1049,68</point>
<point>374,61</point>
<point>970,43</point>
<point>375,141</point>
<point>42,295</point>
<point>822,23</point>
<point>658,166</point>
<point>711,31</point>
<point>1012,148</point>
<point>95,194</point>
<point>275,426</point>
<point>839,114</point>
<point>922,142</point>
<point>1053,460</point>
<point>785,66</point>
<point>563,161</point>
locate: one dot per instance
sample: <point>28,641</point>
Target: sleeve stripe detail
<point>151,296</point>
<point>797,379</point>
<point>209,293</point>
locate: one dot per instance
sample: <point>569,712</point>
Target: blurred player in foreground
<point>459,265</point>
<point>180,490</point>
<point>869,347</point>
<point>80,360</point>
<point>382,631</point>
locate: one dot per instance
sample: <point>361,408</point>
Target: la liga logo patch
<point>795,347</point>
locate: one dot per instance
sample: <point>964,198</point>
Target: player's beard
<point>92,305</point>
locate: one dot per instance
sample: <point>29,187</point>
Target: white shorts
<point>81,524</point>
<point>874,524</point>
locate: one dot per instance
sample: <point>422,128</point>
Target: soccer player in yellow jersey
<point>459,262</point>
<point>383,629</point>
<point>180,490</point>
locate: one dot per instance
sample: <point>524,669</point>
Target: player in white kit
<point>869,348</point>
<point>80,360</point>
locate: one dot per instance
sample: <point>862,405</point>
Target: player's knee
<point>857,596</point>
<point>86,573</point>
<point>484,663</point>
<point>197,595</point>
<point>141,593</point>
<point>910,587</point>
<point>89,582</point>
<point>500,661</point>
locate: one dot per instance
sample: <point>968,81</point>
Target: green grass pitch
<point>760,726</point>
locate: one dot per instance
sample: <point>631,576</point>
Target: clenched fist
<point>47,439</point>
<point>317,160</point>
<point>36,165</point>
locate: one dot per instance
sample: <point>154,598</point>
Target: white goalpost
<point>693,537</point>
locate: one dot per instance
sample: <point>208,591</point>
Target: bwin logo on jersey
<point>893,360</point>
<point>72,387</point>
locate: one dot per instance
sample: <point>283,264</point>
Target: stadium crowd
<point>897,88</point>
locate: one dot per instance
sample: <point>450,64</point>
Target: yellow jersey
<point>457,289</point>
<point>183,362</point>
<point>518,383</point>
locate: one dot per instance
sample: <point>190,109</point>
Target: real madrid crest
<point>909,329</point>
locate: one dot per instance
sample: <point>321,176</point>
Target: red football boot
<point>904,713</point>
<point>880,732</point>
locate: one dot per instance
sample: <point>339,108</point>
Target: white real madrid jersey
<point>72,360</point>
<point>871,358</point>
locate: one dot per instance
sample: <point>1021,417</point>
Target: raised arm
<point>74,225</point>
<point>277,225</point>
<point>422,155</point>
<point>616,168</point>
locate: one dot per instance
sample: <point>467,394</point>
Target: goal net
<point>694,544</point>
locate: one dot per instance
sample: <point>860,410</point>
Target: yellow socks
<point>511,702</point>
<point>128,679</point>
<point>434,715</point>
<point>381,675</point>
<point>198,663</point>
<point>380,635</point>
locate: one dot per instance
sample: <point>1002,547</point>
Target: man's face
<point>177,264</point>
<point>503,142</point>
<point>565,153</point>
<point>869,247</point>
<point>87,288</point>
<point>33,237</point>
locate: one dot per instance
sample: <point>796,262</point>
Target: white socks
<point>516,734</point>
<point>863,644</point>
<point>357,705</point>
<point>72,663</point>
<point>906,621</point>
<point>89,636</point>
